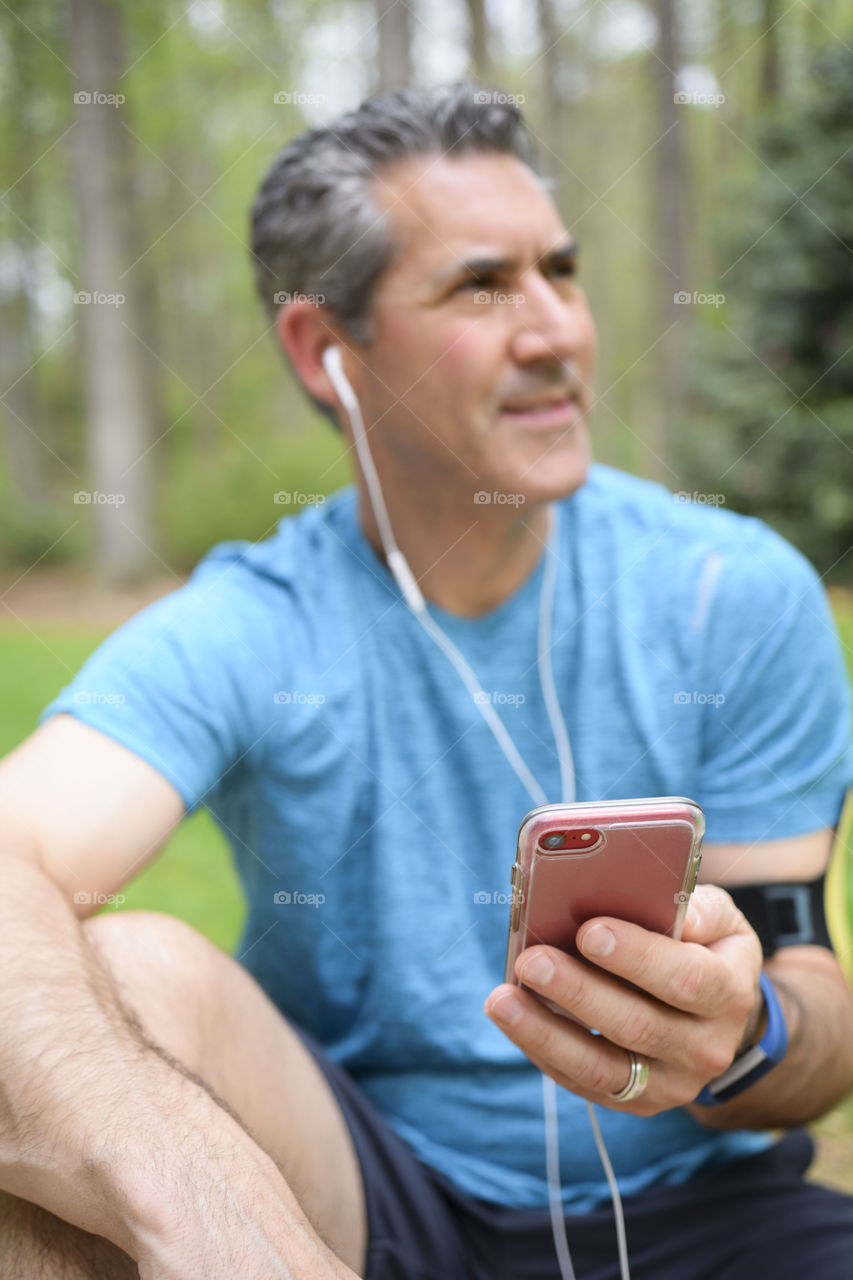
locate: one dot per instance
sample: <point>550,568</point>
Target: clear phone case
<point>634,859</point>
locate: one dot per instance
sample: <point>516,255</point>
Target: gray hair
<point>316,229</point>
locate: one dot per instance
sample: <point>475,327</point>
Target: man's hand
<point>699,1001</point>
<point>202,1199</point>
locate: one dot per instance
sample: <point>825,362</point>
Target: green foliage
<point>772,427</point>
<point>234,492</point>
<point>31,533</point>
<point>201,128</point>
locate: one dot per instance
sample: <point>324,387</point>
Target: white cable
<point>407,583</point>
<point>546,669</point>
<point>405,579</point>
<point>621,1239</point>
<point>552,1167</point>
<point>488,712</point>
<point>396,560</point>
<point>549,1088</point>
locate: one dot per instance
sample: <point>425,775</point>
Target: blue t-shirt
<point>373,816</point>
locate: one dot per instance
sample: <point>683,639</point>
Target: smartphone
<point>634,859</point>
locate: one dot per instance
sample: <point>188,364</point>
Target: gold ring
<point>637,1080</point>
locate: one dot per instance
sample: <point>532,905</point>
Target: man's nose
<point>550,326</point>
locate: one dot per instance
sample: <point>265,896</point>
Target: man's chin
<point>525,496</point>
<point>558,474</point>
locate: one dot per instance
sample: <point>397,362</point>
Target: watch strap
<point>755,1062</point>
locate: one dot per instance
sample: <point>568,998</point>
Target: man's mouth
<point>553,412</point>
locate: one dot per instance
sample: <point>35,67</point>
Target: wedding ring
<point>637,1080</point>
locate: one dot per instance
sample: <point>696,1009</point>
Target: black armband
<point>785,915</point>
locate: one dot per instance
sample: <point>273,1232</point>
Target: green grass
<point>193,877</point>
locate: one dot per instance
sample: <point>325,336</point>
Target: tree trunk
<point>724,60</point>
<point>25,449</point>
<point>395,66</point>
<point>554,126</point>
<point>478,42</point>
<point>668,213</point>
<point>770,84</point>
<point>121,418</point>
<point>22,423</point>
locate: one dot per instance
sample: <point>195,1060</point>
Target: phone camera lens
<point>553,841</point>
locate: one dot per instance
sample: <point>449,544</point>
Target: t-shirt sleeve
<point>183,683</point>
<point>776,755</point>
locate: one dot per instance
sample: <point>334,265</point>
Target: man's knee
<point>164,973</point>
<point>214,1022</point>
<point>151,938</point>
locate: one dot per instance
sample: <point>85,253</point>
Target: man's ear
<point>304,331</point>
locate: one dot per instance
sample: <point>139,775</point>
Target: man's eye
<point>475,282</point>
<point>564,270</point>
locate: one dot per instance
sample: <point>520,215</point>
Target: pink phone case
<point>634,859</point>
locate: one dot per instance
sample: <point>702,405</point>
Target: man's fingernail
<point>539,970</point>
<point>507,1009</point>
<point>598,941</point>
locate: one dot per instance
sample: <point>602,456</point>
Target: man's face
<point>478,376</point>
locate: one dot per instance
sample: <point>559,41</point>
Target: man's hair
<point>316,228</point>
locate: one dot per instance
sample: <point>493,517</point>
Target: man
<point>341,1106</point>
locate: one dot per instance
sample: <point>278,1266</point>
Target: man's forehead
<point>446,209</point>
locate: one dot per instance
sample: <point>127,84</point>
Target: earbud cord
<point>413,596</point>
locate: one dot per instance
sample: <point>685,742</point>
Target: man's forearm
<point>64,1039</point>
<point>103,1130</point>
<point>817,1070</point>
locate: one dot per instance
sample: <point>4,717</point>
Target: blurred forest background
<point>701,150</point>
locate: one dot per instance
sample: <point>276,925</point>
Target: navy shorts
<point>751,1217</point>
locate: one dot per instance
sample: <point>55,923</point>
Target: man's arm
<point>817,1070</point>
<point>699,1002</point>
<point>95,1126</point>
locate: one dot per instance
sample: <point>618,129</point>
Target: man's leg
<point>34,1245</point>
<point>201,1008</point>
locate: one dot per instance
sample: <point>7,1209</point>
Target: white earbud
<point>333,365</point>
<point>397,563</point>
